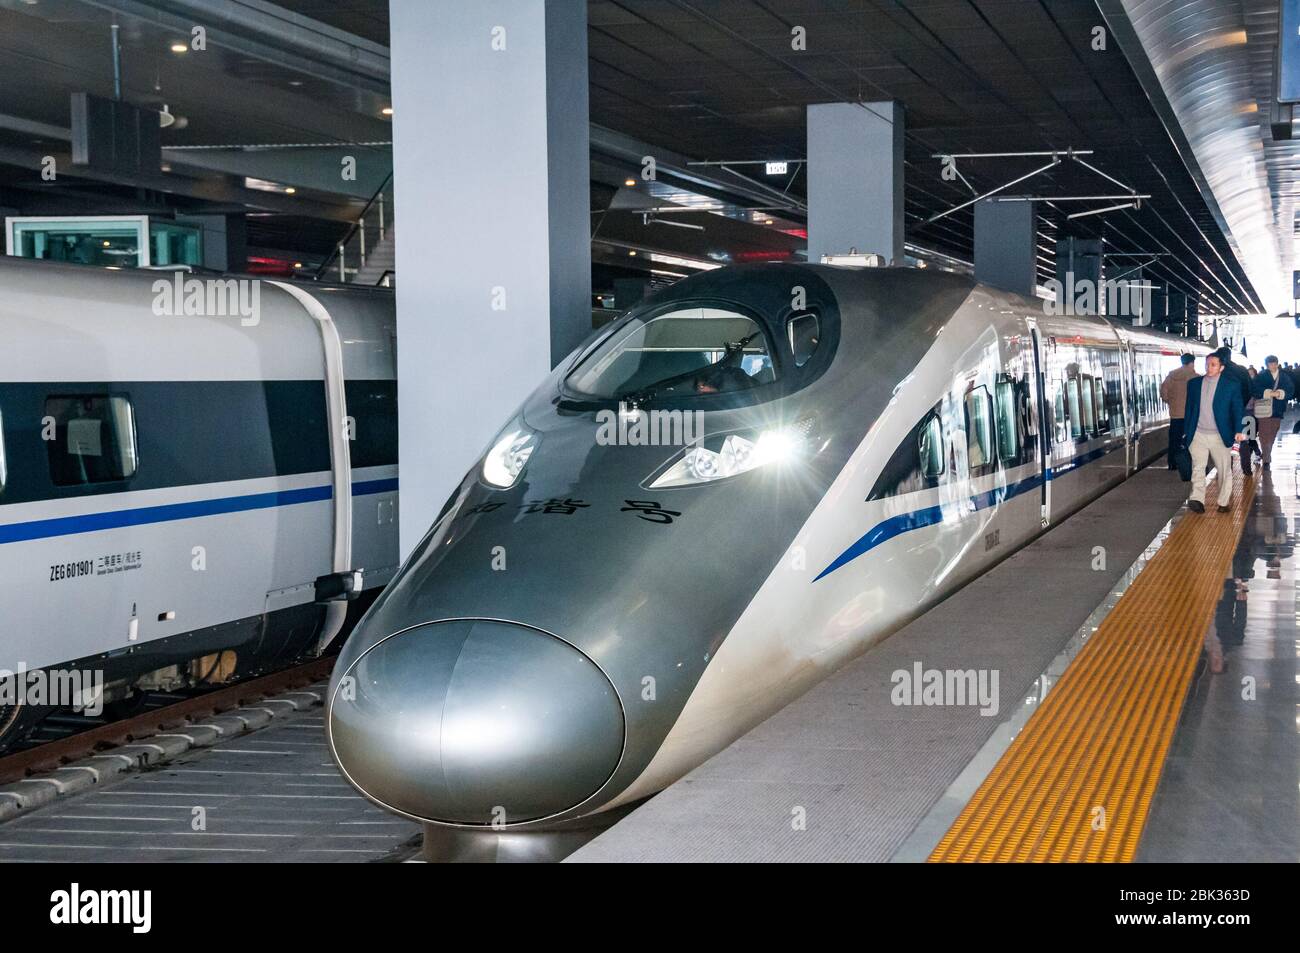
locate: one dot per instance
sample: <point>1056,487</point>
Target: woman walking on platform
<point>1271,389</point>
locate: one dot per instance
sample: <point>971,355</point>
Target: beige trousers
<point>1207,447</point>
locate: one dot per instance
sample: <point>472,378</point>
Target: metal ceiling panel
<point>1199,51</point>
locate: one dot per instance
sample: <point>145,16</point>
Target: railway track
<point>56,753</point>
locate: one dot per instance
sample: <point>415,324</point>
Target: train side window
<point>1114,406</point>
<point>1088,403</point>
<point>1099,404</point>
<point>1059,416</point>
<point>930,445</point>
<point>1008,421</point>
<point>804,332</point>
<point>979,428</point>
<point>4,468</point>
<point>1072,402</point>
<point>94,439</point>
<point>372,406</point>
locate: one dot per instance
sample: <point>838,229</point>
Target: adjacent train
<point>598,609</point>
<point>198,476</point>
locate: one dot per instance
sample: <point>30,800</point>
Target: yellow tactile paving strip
<point>1077,782</point>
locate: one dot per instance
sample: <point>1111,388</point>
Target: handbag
<point>1263,407</point>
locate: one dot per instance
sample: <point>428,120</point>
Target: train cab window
<point>979,428</point>
<point>930,445</point>
<point>1008,421</point>
<point>690,351</point>
<point>804,332</point>
<point>1075,413</point>
<point>94,439</point>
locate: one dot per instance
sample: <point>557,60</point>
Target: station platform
<point>271,796</point>
<point>1122,732</point>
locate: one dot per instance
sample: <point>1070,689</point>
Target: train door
<point>1045,423</point>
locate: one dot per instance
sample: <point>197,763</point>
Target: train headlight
<point>505,461</point>
<point>737,454</point>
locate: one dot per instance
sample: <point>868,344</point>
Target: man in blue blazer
<point>1211,426</point>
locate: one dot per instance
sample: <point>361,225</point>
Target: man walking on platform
<point>1235,374</point>
<point>1272,388</point>
<point>1173,391</point>
<point>1213,413</point>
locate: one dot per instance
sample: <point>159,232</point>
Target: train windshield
<point>685,352</point>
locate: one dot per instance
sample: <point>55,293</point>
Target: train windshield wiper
<point>731,352</point>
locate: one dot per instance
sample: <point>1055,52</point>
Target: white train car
<point>187,496</point>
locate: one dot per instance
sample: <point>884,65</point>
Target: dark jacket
<point>1241,376</point>
<point>1264,381</point>
<point>1228,409</point>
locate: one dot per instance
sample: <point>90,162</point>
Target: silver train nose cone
<point>470,721</point>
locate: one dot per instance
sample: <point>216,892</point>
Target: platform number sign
<point>1288,53</point>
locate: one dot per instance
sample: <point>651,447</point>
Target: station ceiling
<point>711,80</point>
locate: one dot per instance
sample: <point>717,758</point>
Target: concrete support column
<point>1004,246</point>
<point>855,179</point>
<point>1079,265</point>
<point>492,182</point>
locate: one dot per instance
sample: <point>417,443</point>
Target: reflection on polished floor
<point>1230,790</point>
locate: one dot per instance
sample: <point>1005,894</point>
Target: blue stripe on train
<point>886,530</point>
<point>116,519</point>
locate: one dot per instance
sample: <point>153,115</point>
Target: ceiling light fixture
<point>180,48</point>
<point>289,190</point>
<point>387,110</point>
<point>629,182</point>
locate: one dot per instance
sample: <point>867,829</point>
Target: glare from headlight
<point>505,461</point>
<point>736,455</point>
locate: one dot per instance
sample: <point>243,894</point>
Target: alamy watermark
<point>1117,296</point>
<point>632,427</point>
<point>949,687</point>
<point>210,297</point>
<point>79,689</point>
<point>133,908</point>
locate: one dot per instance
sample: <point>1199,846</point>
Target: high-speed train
<point>599,608</point>
<point>193,470</point>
